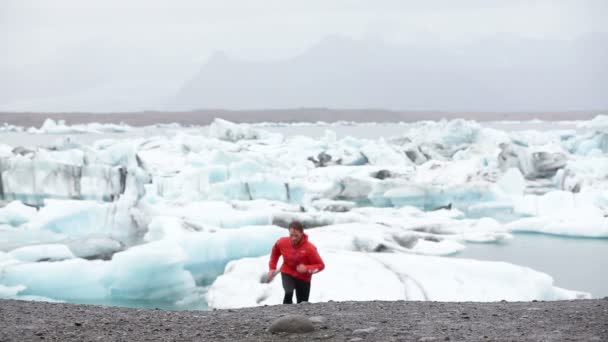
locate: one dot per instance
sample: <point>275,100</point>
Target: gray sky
<point>117,55</point>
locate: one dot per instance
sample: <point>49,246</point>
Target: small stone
<point>318,319</point>
<point>292,324</point>
<point>427,339</point>
<point>364,331</point>
<point>355,339</point>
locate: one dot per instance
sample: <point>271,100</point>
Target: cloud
<point>166,42</point>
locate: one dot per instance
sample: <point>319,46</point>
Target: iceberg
<point>33,181</point>
<point>153,271</point>
<point>400,276</point>
<point>581,226</point>
<point>171,216</point>
<point>74,280</point>
<point>430,197</point>
<point>538,164</point>
<point>229,131</point>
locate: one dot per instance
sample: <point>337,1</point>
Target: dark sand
<point>204,117</point>
<point>577,320</point>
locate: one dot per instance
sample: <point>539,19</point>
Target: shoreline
<point>577,320</point>
<point>205,117</point>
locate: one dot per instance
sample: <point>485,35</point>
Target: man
<point>300,261</point>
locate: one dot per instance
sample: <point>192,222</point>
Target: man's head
<point>296,231</point>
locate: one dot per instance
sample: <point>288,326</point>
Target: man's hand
<point>301,268</point>
<point>270,275</point>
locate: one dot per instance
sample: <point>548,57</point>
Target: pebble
<point>318,319</point>
<point>292,324</point>
<point>365,331</point>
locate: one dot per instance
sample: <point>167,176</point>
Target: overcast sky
<point>132,55</point>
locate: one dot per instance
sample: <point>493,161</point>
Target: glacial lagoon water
<point>574,263</point>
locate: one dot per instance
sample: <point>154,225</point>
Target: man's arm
<point>316,263</point>
<point>274,257</point>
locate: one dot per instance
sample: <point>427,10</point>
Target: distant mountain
<point>502,73</point>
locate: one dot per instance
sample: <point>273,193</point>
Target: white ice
<point>185,202</point>
<point>388,276</point>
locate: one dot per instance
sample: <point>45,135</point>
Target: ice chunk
<point>95,247</point>
<point>215,213</point>
<point>430,197</point>
<point>334,206</point>
<point>10,291</point>
<point>539,164</point>
<point>32,181</point>
<point>70,156</point>
<point>459,131</point>
<point>229,131</point>
<point>51,252</point>
<point>400,276</point>
<point>598,122</point>
<point>591,144</point>
<point>168,227</point>
<point>558,204</point>
<point>370,237</point>
<point>16,213</point>
<point>258,188</point>
<point>582,226</point>
<point>485,230</point>
<point>76,280</point>
<point>50,126</point>
<point>382,153</point>
<point>512,182</point>
<point>208,253</point>
<point>154,271</point>
<point>501,211</point>
<point>87,219</point>
<point>11,238</point>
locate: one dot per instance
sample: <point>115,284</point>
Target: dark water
<point>574,263</point>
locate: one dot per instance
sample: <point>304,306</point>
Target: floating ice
<point>226,130</point>
<point>512,182</point>
<point>400,276</point>
<point>153,220</point>
<point>50,126</point>
<point>54,252</point>
<point>582,226</point>
<point>430,197</point>
<point>539,164</point>
<point>599,122</point>
<point>16,213</point>
<point>32,181</point>
<point>154,271</point>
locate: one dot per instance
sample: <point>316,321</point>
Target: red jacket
<point>304,253</point>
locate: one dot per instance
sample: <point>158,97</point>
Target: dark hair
<point>297,225</point>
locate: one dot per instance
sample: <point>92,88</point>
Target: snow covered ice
<point>184,217</point>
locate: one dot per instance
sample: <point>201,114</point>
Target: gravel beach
<point>577,320</point>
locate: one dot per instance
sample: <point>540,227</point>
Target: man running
<point>300,261</point>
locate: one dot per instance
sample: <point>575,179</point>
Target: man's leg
<point>302,290</point>
<point>289,283</point>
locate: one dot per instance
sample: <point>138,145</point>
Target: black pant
<point>289,284</point>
